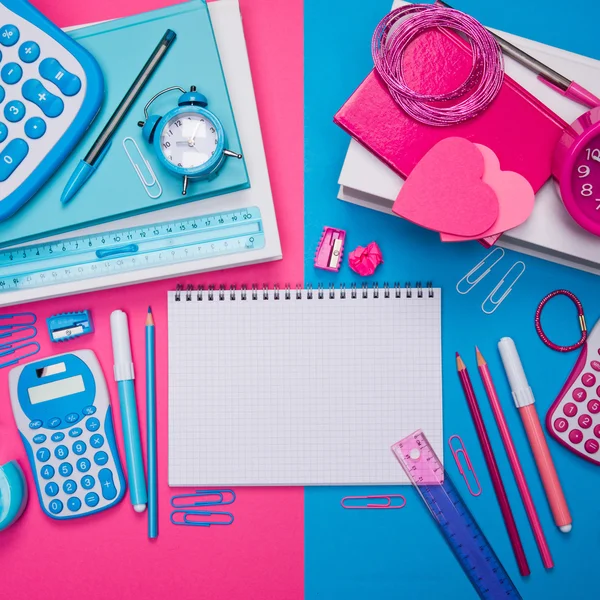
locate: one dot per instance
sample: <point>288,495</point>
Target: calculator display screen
<point>56,389</point>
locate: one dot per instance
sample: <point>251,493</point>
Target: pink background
<point>108,555</point>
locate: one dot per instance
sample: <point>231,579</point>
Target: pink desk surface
<point>108,556</point>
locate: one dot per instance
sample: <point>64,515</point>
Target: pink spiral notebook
<point>516,126</point>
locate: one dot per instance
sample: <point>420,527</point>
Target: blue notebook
<point>122,47</point>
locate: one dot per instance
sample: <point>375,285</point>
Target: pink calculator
<point>574,418</point>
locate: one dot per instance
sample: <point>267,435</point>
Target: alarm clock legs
<point>185,185</point>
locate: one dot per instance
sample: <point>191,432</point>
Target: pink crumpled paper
<point>364,261</point>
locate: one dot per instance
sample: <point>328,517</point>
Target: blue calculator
<point>62,409</point>
<point>50,91</point>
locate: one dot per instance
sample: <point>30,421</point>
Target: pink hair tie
<point>394,34</point>
<point>582,325</point>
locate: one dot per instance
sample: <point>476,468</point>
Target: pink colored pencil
<point>488,453</point>
<point>513,458</point>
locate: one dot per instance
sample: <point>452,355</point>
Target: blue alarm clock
<point>189,140</point>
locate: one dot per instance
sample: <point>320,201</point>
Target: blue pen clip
<point>14,331</point>
<point>206,496</point>
<point>20,358</point>
<point>29,319</point>
<point>189,516</point>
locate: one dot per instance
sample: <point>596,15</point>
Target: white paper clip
<point>520,265</point>
<point>149,180</point>
<point>484,263</point>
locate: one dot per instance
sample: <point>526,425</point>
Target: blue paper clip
<point>29,320</point>
<point>14,331</point>
<point>189,515</point>
<point>490,304</point>
<point>206,496</point>
<point>12,350</point>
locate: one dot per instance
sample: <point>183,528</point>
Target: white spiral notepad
<point>301,387</point>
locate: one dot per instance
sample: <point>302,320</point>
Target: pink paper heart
<point>445,191</point>
<point>515,196</point>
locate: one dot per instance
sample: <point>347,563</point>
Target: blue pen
<point>151,427</point>
<point>124,376</point>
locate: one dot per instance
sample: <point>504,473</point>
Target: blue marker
<point>124,376</point>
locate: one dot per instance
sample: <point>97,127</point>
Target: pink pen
<point>525,402</point>
<point>515,464</point>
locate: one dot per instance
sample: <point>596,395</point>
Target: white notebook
<point>301,387</point>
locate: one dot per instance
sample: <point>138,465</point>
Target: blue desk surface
<point>391,554</point>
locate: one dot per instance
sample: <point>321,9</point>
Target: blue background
<point>384,554</point>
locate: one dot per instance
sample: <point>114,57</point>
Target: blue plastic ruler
<point>454,520</point>
<point>131,249</point>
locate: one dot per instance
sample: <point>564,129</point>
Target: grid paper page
<point>300,391</point>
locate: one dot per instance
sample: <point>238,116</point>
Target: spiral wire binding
<point>353,291</point>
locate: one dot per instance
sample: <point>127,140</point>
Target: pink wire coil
<point>402,26</point>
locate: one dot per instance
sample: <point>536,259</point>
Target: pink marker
<point>525,402</point>
<point>515,464</point>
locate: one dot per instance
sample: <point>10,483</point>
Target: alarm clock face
<point>585,180</point>
<point>190,139</point>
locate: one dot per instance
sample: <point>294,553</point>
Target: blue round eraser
<point>13,493</point>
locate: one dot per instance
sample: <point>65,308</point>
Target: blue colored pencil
<point>151,427</point>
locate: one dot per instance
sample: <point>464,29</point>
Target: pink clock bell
<point>576,167</point>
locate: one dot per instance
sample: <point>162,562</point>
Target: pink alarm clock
<point>576,167</point>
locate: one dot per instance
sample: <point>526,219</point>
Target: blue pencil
<point>151,427</point>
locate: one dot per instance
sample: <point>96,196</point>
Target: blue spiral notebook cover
<point>122,47</point>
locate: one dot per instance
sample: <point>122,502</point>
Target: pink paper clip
<point>462,450</point>
<point>330,249</point>
<point>387,502</point>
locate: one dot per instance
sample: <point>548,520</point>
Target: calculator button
<point>54,422</point>
<point>43,454</point>
<point>47,472</point>
<point>79,447</point>
<point>597,431</point>
<point>69,487</point>
<point>2,94</point>
<point>55,506</point>
<point>585,421</point>
<point>3,129</point>
<point>51,489</point>
<point>10,158</point>
<point>61,452</point>
<point>53,71</point>
<point>92,424</point>
<point>71,417</point>
<point>589,379</point>
<point>59,436</point>
<point>101,458</point>
<point>51,105</point>
<point>591,446</point>
<point>14,111</point>
<point>575,436</point>
<point>89,410</point>
<point>561,424</point>
<point>96,441</point>
<point>11,73</point>
<point>29,52</point>
<point>579,394</point>
<point>83,465</point>
<point>109,491</point>
<point>594,406</point>
<point>40,438</point>
<point>35,424</point>
<point>75,432</point>
<point>74,504</point>
<point>92,499</point>
<point>9,35</point>
<point>595,365</point>
<point>569,409</point>
<point>65,469</point>
<point>87,482</point>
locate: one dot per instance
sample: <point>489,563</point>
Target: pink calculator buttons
<point>575,436</point>
<point>570,409</point>
<point>593,406</point>
<point>591,446</point>
<point>562,425</point>
<point>589,379</point>
<point>579,394</point>
<point>597,431</point>
<point>595,365</point>
<point>585,421</point>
